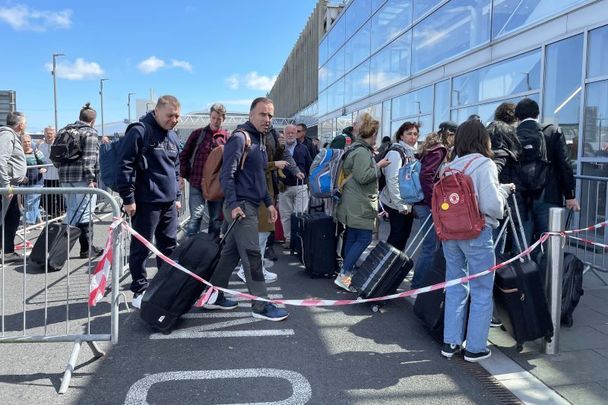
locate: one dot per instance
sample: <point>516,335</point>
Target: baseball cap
<point>448,126</point>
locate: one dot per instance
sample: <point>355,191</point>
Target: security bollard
<point>554,275</point>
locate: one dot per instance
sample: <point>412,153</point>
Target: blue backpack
<point>108,157</point>
<point>324,172</point>
<point>410,188</point>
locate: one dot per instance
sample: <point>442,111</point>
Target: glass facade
<point>388,42</point>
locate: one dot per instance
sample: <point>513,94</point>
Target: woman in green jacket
<point>358,207</point>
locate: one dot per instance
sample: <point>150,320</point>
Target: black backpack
<point>67,146</point>
<point>533,160</point>
<point>404,160</point>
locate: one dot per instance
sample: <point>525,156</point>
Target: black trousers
<point>158,220</point>
<point>52,203</point>
<point>401,227</point>
<point>8,227</point>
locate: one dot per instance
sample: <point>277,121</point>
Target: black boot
<point>85,234</point>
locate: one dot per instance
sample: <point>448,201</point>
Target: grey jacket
<point>389,196</point>
<point>12,159</point>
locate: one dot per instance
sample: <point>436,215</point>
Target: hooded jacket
<point>491,196</point>
<point>358,206</point>
<point>248,184</point>
<point>159,182</point>
<point>12,159</point>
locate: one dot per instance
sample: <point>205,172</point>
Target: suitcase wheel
<point>502,327</point>
<point>519,348</point>
<point>376,307</point>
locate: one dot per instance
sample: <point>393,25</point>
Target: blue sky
<point>200,51</point>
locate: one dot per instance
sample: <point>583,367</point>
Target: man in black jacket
<point>556,184</point>
<point>147,180</point>
<point>243,178</point>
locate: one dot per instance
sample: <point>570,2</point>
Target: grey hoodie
<point>12,159</point>
<point>491,196</point>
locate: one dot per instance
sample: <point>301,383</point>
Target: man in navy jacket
<point>244,182</point>
<point>147,180</point>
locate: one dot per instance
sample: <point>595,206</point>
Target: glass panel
<point>335,96</point>
<point>386,118</point>
<point>508,15</point>
<point>515,75</point>
<point>392,64</point>
<point>334,68</point>
<point>393,18</point>
<point>322,103</point>
<point>376,5</point>
<point>414,104</point>
<point>323,52</point>
<point>442,103</point>
<point>336,36</point>
<point>357,13</point>
<point>356,83</point>
<point>454,28</point>
<point>485,111</point>
<point>325,131</point>
<point>422,6</point>
<point>597,64</point>
<point>595,128</point>
<point>323,77</point>
<point>563,69</point>
<point>356,49</point>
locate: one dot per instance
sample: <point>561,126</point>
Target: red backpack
<point>455,208</point>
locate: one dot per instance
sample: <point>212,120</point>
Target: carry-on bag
<point>385,268</point>
<point>319,242</point>
<point>519,295</point>
<point>172,292</point>
<point>61,239</point>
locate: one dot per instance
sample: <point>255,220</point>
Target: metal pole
<point>129,105</point>
<point>55,55</point>
<point>101,94</point>
<point>553,281</point>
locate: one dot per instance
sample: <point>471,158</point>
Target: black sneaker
<point>95,252</point>
<point>475,357</point>
<point>495,323</point>
<point>270,312</point>
<point>450,349</point>
<point>222,303</point>
<point>270,254</point>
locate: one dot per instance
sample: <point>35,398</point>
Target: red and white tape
<point>315,302</point>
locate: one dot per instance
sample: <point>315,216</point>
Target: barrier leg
<point>97,352</point>
<point>67,375</point>
<point>554,271</point>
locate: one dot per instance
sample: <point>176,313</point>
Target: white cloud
<point>181,64</point>
<point>22,18</point>
<point>233,82</point>
<point>79,70</point>
<point>152,64</point>
<point>251,80</point>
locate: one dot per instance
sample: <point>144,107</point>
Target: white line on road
<point>181,334</point>
<point>301,390</point>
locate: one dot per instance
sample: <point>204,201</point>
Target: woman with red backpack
<point>473,162</point>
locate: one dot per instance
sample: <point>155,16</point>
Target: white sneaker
<point>241,274</point>
<point>137,298</point>
<point>268,263</point>
<point>269,276</point>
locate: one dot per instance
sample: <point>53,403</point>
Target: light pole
<point>55,55</point>
<point>129,105</point>
<point>101,94</point>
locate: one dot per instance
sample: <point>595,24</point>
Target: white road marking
<point>301,390</point>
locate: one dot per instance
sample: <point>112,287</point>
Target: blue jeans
<point>464,257</point>
<point>535,218</point>
<point>80,206</point>
<point>430,245</point>
<point>32,206</point>
<point>196,204</point>
<point>355,243</point>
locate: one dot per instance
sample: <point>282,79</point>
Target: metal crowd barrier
<point>593,197</point>
<point>53,306</point>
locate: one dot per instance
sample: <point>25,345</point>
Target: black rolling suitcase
<point>429,307</point>
<point>319,243</point>
<point>385,268</point>
<point>61,239</point>
<point>519,296</point>
<point>172,292</point>
<point>58,246</point>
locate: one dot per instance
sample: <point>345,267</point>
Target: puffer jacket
<point>358,207</point>
<point>389,196</point>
